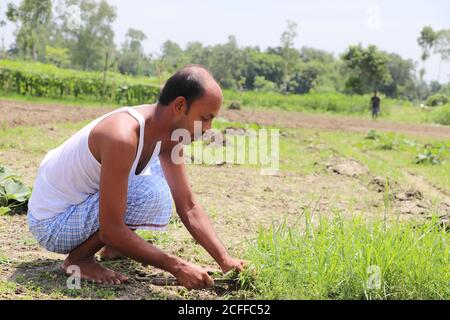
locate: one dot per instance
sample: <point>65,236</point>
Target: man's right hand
<point>192,276</point>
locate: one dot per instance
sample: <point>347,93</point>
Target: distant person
<point>376,102</point>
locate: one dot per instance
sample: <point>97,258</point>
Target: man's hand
<point>192,276</point>
<point>232,264</point>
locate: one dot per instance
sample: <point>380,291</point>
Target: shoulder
<point>118,134</point>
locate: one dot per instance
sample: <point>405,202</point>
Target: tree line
<point>48,31</point>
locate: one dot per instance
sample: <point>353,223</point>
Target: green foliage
<point>383,141</point>
<point>33,20</point>
<point>433,154</point>
<point>91,40</point>
<point>368,69</point>
<point>132,59</point>
<point>13,193</point>
<point>350,259</point>
<point>60,57</point>
<point>316,102</point>
<point>263,85</point>
<point>437,100</point>
<point>42,80</point>
<point>441,115</point>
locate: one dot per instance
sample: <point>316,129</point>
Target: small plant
<point>432,154</point>
<point>13,193</point>
<point>383,141</point>
<point>373,135</point>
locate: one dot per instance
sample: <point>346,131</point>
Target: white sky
<point>324,24</point>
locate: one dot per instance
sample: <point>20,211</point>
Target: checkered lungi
<point>149,206</point>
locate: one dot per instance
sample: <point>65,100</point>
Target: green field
<point>343,203</point>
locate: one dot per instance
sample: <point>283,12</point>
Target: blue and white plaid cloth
<point>149,206</point>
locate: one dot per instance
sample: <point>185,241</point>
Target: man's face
<point>203,110</point>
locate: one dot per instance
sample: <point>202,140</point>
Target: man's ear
<point>178,105</point>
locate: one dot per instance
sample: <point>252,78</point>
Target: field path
<point>289,119</point>
<point>18,113</point>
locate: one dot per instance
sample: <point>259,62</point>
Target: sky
<point>323,24</point>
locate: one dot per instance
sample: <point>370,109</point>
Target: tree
<point>263,64</point>
<point>172,56</point>
<point>368,69</point>
<point>132,59</point>
<point>426,41</point>
<point>227,63</point>
<point>403,80</point>
<point>289,54</point>
<point>442,47</point>
<point>32,19</point>
<point>91,39</point>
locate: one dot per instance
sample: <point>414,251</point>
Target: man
<point>376,101</point>
<point>104,182</point>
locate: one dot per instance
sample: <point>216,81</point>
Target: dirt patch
<point>15,113</point>
<point>290,119</point>
<point>347,167</point>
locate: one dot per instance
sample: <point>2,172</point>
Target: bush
<point>437,100</point>
<point>441,115</point>
<point>44,80</point>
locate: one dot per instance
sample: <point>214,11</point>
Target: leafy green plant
<point>383,141</point>
<point>437,100</point>
<point>13,192</point>
<point>373,135</point>
<point>432,154</point>
<point>441,115</point>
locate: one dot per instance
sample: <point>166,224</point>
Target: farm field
<point>332,167</point>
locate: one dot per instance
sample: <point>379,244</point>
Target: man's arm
<point>117,155</point>
<point>192,213</point>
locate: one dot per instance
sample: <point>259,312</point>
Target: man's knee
<point>152,193</point>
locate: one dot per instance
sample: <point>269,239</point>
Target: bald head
<point>192,82</point>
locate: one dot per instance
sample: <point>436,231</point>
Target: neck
<point>159,121</point>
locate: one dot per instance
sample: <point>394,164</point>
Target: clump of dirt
<point>347,167</point>
<point>409,195</point>
<point>211,138</point>
<point>378,184</point>
<point>411,201</point>
<point>232,131</point>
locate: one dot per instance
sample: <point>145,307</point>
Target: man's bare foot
<point>108,253</point>
<point>91,270</point>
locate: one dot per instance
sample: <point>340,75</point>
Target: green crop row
<point>313,102</point>
<point>43,80</point>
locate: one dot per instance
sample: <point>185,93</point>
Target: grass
<point>350,259</point>
<point>78,102</point>
<point>391,155</point>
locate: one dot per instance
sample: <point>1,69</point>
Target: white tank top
<point>70,173</point>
